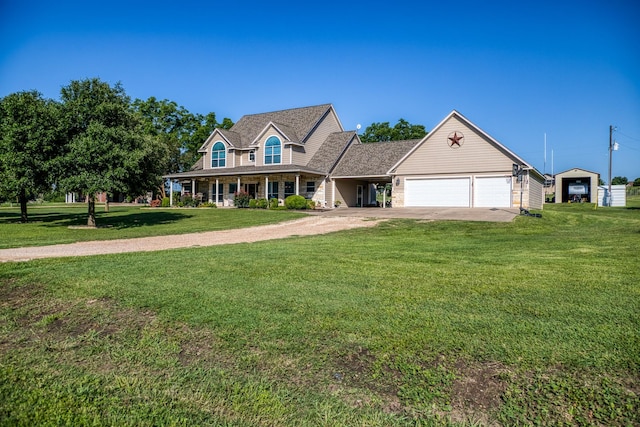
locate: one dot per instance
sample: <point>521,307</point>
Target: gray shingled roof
<point>330,150</point>
<point>372,159</point>
<point>300,120</point>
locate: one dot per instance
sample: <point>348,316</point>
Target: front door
<point>251,189</point>
<point>359,193</point>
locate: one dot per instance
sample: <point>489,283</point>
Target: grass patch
<point>50,225</point>
<point>408,323</point>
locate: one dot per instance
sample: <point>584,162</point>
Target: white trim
<point>203,147</point>
<point>265,151</point>
<point>283,136</point>
<point>225,155</point>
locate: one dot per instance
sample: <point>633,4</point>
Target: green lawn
<point>50,225</point>
<point>409,323</point>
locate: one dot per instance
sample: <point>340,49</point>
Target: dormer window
<point>252,155</point>
<point>218,155</point>
<point>272,151</point>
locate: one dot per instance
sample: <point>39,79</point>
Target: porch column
<point>193,187</point>
<point>239,189</point>
<point>384,197</point>
<point>297,185</point>
<point>217,191</point>
<point>170,192</point>
<point>266,187</point>
<point>333,193</point>
<point>210,192</point>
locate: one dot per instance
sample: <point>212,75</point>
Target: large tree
<point>403,130</point>
<point>29,144</point>
<point>107,148</point>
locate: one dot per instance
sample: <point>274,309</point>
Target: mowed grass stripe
<point>402,324</point>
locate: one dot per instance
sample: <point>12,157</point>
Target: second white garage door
<point>492,192</point>
<point>438,192</point>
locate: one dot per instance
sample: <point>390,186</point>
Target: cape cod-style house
<point>306,151</point>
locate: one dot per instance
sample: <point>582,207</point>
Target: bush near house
<point>241,199</point>
<point>295,202</point>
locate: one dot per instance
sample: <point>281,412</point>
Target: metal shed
<point>577,185</point>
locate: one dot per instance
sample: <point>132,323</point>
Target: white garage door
<point>492,192</point>
<point>438,192</point>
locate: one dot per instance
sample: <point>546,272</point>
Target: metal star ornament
<point>455,139</point>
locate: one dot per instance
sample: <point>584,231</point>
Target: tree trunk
<point>23,206</point>
<point>91,220</point>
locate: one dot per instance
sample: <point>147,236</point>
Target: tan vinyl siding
<point>327,126</point>
<point>536,192</point>
<point>434,156</point>
<point>298,155</point>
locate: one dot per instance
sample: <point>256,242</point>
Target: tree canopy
<point>403,130</point>
<point>180,131</point>
<point>107,149</point>
<point>619,180</point>
<point>30,138</point>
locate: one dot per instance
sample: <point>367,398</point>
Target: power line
<point>628,136</point>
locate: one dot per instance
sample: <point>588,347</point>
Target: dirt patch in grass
<point>477,390</point>
<point>357,369</point>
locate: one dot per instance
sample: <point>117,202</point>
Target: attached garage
<point>459,165</point>
<point>492,192</point>
<point>438,192</point>
<point>487,191</point>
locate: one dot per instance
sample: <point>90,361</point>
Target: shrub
<point>312,204</point>
<point>241,199</point>
<point>209,205</point>
<point>273,203</point>
<point>295,202</point>
<point>166,202</point>
<point>188,200</point>
<point>262,204</point>
<point>253,203</point>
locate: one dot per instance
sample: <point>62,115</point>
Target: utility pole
<point>611,129</point>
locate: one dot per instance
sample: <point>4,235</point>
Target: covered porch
<point>222,189</point>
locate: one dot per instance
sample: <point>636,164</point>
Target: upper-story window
<point>218,155</point>
<point>252,155</point>
<point>272,151</point>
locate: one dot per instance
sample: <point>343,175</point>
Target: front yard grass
<point>409,323</point>
<point>50,225</point>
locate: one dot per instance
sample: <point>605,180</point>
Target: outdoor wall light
<point>397,181</point>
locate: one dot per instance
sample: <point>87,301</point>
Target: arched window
<point>218,155</point>
<point>272,151</point>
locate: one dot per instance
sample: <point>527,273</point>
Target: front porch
<point>221,190</point>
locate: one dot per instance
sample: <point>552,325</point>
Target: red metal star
<point>455,139</point>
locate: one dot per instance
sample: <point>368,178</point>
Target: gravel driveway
<point>301,227</point>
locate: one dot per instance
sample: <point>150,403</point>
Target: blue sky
<point>517,69</point>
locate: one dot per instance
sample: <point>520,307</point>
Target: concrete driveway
<point>441,214</point>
